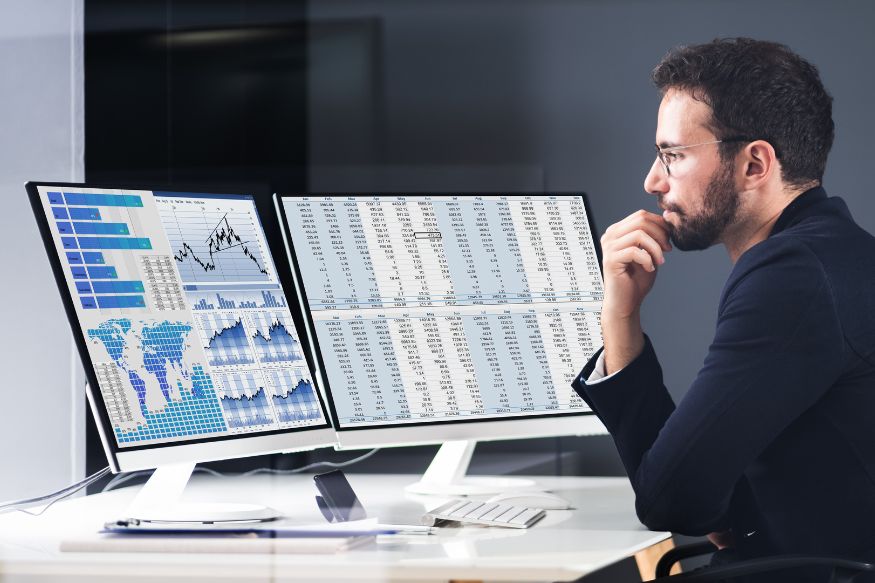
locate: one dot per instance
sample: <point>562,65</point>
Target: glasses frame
<point>666,162</point>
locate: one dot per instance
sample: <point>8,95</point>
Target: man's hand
<point>631,251</point>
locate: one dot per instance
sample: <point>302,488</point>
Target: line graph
<point>225,339</point>
<point>274,337</point>
<point>292,395</point>
<point>244,400</point>
<point>220,241</point>
<point>223,238</point>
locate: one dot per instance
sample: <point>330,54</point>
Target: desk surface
<point>565,545</point>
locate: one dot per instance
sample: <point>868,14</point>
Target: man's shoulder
<point>781,268</point>
<point>817,237</point>
<point>787,249</point>
<point>822,246</point>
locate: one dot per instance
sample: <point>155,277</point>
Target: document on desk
<point>224,543</point>
<point>271,537</point>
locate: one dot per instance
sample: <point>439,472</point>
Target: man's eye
<point>672,156</point>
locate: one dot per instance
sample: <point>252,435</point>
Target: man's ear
<point>758,164</point>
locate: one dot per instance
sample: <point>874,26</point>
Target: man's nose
<point>656,182</point>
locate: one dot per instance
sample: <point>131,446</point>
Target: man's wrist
<point>623,340</point>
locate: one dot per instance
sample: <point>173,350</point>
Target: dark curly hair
<point>762,91</point>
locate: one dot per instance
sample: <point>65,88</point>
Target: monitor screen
<point>180,314</point>
<point>436,309</point>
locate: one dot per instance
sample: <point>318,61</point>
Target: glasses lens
<point>663,159</point>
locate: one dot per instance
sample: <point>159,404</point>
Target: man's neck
<point>760,222</point>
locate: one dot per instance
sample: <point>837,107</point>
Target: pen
<point>407,528</point>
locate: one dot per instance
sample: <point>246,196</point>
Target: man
<point>772,449</point>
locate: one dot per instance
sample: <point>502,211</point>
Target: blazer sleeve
<point>777,349</point>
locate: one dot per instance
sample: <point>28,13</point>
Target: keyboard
<point>483,513</point>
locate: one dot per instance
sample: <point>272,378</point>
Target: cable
<point>122,478</point>
<point>311,466</point>
<point>54,496</point>
<point>116,481</point>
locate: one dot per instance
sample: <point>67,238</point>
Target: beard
<point>720,208</point>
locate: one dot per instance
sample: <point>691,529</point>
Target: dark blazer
<point>775,438</point>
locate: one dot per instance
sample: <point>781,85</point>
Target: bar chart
<point>85,233</point>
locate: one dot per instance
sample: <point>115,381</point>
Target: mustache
<point>669,207</point>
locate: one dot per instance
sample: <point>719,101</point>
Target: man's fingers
<point>641,239</point>
<point>636,255</point>
<point>656,228</point>
<point>653,224</point>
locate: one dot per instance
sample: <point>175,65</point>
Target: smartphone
<point>337,501</point>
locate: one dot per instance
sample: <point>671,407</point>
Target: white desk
<point>563,546</point>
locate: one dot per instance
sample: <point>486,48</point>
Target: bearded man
<point>772,448</point>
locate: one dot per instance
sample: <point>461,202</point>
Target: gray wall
<point>555,94</point>
<point>466,95</point>
<point>40,113</point>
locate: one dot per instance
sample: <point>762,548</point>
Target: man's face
<point>699,199</point>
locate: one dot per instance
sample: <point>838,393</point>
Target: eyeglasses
<point>666,155</point>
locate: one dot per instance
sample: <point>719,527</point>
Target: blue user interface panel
<point>186,324</point>
<point>444,308</point>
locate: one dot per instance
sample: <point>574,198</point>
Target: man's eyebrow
<point>663,145</point>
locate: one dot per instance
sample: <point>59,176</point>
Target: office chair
<point>843,570</point>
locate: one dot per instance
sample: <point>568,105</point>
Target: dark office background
<point>447,95</point>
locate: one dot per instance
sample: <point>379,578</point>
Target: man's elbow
<point>683,513</point>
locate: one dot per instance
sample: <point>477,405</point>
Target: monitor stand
<point>445,475</point>
<point>159,501</point>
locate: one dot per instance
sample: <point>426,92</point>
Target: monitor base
<point>158,501</point>
<point>445,475</point>
<point>207,513</point>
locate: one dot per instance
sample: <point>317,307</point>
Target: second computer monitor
<point>448,317</point>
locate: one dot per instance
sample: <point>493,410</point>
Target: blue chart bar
<point>60,213</point>
<point>65,228</point>
<point>114,243</point>
<point>97,272</point>
<point>121,302</point>
<point>100,228</point>
<point>79,273</point>
<point>89,199</point>
<point>88,302</point>
<point>56,198</point>
<point>83,287</point>
<point>118,287</point>
<point>271,302</point>
<point>202,305</point>
<point>74,258</point>
<point>84,214</point>
<point>92,257</point>
<point>69,243</point>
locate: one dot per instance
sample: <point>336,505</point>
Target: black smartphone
<point>337,502</point>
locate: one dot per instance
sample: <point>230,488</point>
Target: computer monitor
<point>448,318</point>
<point>185,333</point>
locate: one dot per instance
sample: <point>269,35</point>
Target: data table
<point>431,308</point>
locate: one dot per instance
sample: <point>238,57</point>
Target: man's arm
<point>631,251</point>
<point>777,319</point>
